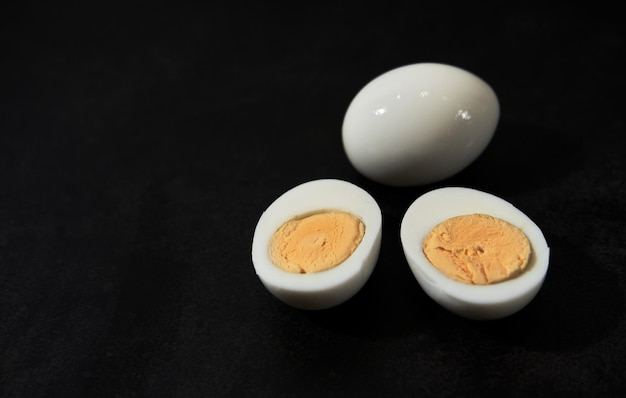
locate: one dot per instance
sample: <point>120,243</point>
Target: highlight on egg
<point>473,301</point>
<point>419,124</point>
<point>292,239</point>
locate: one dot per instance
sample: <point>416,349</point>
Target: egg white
<point>471,301</point>
<point>328,288</point>
<point>419,123</point>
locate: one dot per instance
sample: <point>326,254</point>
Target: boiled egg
<point>488,301</point>
<point>308,224</point>
<point>418,124</point>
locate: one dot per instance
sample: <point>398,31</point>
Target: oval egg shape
<point>419,124</point>
<point>324,289</point>
<point>480,302</point>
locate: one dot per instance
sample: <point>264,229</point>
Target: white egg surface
<point>472,301</point>
<point>320,290</point>
<point>418,124</point>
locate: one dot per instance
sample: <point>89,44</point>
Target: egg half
<point>325,289</point>
<point>480,302</point>
<point>418,124</point>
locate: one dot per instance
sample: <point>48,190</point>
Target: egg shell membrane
<point>327,288</point>
<point>436,206</point>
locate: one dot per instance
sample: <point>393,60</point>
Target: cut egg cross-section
<point>317,244</point>
<point>482,272</point>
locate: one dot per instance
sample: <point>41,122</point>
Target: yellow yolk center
<point>478,249</point>
<point>317,242</point>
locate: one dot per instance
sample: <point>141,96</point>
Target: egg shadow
<point>580,303</point>
<point>521,158</point>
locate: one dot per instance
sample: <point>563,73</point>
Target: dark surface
<point>139,146</point>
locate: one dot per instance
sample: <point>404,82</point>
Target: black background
<point>140,145</point>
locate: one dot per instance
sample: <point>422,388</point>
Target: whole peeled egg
<point>331,287</point>
<point>419,124</point>
<point>479,302</point>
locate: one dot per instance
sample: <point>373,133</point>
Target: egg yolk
<point>477,249</point>
<point>317,242</point>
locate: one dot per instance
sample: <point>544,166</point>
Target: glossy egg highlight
<point>480,302</point>
<point>325,289</point>
<point>419,124</point>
